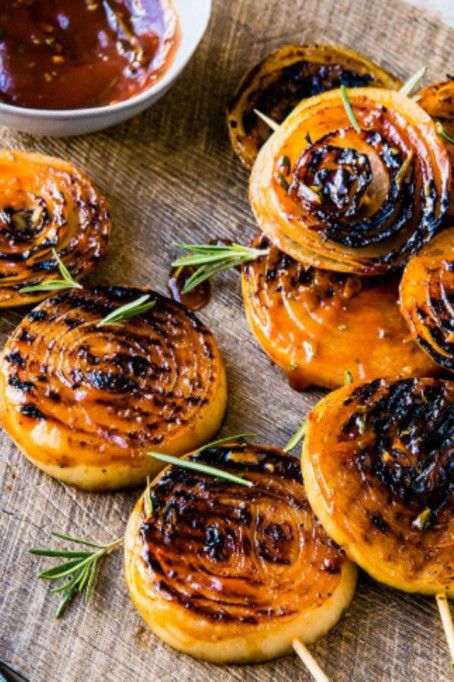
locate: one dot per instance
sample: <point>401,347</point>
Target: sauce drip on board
<point>197,298</point>
<point>70,54</point>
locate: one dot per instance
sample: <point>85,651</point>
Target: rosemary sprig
<point>206,468</point>
<point>444,133</point>
<point>297,437</point>
<point>404,169</point>
<point>137,307</point>
<point>413,81</point>
<point>349,109</point>
<point>66,281</point>
<point>209,259</point>
<point>80,570</point>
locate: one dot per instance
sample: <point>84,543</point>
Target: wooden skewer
<point>269,121</point>
<point>309,661</point>
<point>446,619</point>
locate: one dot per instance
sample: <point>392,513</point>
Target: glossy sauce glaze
<point>378,463</point>
<point>70,54</point>
<point>197,298</point>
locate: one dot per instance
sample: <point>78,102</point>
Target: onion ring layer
<point>46,203</point>
<point>290,74</point>
<point>352,201</point>
<point>378,466</point>
<point>322,326</point>
<point>427,298</point>
<point>233,574</point>
<point>438,101</point>
<point>85,403</point>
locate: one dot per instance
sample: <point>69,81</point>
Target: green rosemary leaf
<point>349,109</point>
<point>58,553</point>
<point>65,601</point>
<point>404,169</point>
<point>200,468</point>
<point>413,81</point>
<point>226,441</point>
<point>297,437</point>
<point>64,587</point>
<point>444,133</point>
<point>63,570</point>
<point>209,260</point>
<point>71,538</point>
<point>125,312</point>
<point>91,580</point>
<point>67,281</point>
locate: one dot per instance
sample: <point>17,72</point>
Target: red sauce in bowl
<point>71,54</point>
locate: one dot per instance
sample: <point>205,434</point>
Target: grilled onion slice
<point>358,202</point>
<point>322,326</point>
<point>427,298</point>
<point>232,574</point>
<point>438,101</point>
<point>290,74</point>
<point>378,469</point>
<point>46,203</point>
<point>85,403</point>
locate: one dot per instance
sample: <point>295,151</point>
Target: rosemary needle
<point>138,307</point>
<point>349,109</point>
<point>66,281</point>
<point>297,437</point>
<point>413,81</point>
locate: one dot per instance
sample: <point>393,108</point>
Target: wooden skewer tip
<point>309,661</point>
<point>446,619</point>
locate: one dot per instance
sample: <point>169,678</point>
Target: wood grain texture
<point>170,175</point>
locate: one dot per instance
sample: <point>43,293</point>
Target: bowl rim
<point>153,90</point>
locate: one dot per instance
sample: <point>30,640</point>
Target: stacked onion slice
<point>324,327</point>
<point>352,200</point>
<point>85,402</point>
<point>378,470</point>
<point>233,574</point>
<point>427,298</point>
<point>284,78</point>
<point>45,204</point>
<point>438,101</point>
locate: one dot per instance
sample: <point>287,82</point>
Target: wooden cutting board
<point>170,176</point>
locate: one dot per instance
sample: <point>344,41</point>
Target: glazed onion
<point>290,74</point>
<point>46,203</point>
<point>426,298</point>
<point>358,201</point>
<point>378,470</point>
<point>438,101</point>
<point>85,403</point>
<point>321,327</point>
<point>229,573</point>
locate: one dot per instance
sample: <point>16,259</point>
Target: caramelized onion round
<point>46,203</point>
<point>290,74</point>
<point>427,298</point>
<point>85,403</point>
<point>229,573</point>
<point>322,327</point>
<point>352,201</point>
<point>438,101</point>
<point>378,467</point>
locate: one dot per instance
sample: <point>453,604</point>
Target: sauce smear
<point>70,54</point>
<point>197,298</point>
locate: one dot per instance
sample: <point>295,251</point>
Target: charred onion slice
<point>283,79</point>
<point>85,403</point>
<point>322,326</point>
<point>378,468</point>
<point>427,298</point>
<point>46,203</point>
<point>358,202</point>
<point>438,101</point>
<point>229,573</point>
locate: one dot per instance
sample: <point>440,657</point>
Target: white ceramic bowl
<point>193,16</point>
